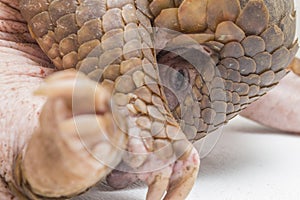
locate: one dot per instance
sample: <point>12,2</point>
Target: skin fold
<point>49,127</point>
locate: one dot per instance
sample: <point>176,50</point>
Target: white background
<point>250,162</point>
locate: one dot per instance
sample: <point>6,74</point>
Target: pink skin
<point>21,73</point>
<point>19,109</point>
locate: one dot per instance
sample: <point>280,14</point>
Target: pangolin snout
<point>183,73</point>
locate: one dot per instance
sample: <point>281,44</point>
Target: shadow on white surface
<point>245,165</point>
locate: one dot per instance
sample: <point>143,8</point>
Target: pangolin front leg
<point>75,129</point>
<point>239,50</point>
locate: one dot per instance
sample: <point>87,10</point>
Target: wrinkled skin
<point>23,72</point>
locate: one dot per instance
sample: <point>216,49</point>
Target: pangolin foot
<point>167,176</point>
<point>68,152</point>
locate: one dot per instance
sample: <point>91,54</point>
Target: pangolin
<point>153,77</point>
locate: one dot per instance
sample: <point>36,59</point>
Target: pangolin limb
<point>239,50</point>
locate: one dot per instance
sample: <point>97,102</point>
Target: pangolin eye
<point>179,79</point>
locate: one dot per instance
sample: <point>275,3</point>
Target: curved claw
<point>68,152</point>
<point>176,180</point>
<point>184,175</point>
<point>80,93</point>
<point>159,185</point>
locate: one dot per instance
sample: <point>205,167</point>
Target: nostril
<point>208,50</point>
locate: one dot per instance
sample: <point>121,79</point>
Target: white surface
<point>250,162</point>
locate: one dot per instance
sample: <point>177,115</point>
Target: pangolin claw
<point>71,145</point>
<point>184,175</point>
<point>169,177</point>
<point>177,180</point>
